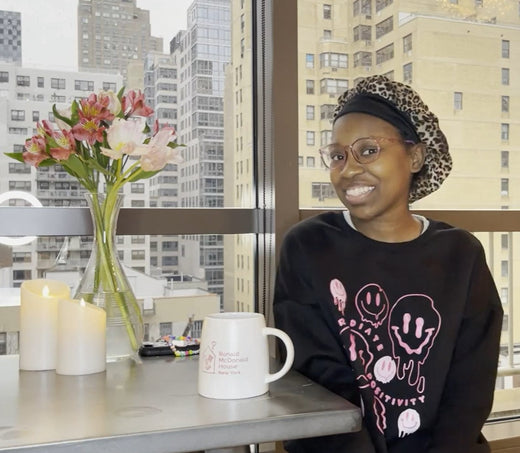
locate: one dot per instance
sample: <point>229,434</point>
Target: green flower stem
<point>107,276</point>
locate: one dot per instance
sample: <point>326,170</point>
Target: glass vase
<point>105,284</point>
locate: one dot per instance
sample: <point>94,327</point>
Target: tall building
<point>202,52</point>
<point>10,37</point>
<point>112,34</point>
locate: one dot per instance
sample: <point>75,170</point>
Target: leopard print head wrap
<point>410,110</point>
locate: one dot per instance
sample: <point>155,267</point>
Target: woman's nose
<point>352,166</point>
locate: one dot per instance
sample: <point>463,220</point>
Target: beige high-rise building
<point>112,34</point>
<point>460,55</point>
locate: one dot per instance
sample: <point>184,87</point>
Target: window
<point>384,27</point>
<point>333,60</point>
<point>40,82</point>
<point>362,59</point>
<point>327,111</point>
<point>84,85</point>
<point>504,159</point>
<point>57,84</point>
<point>322,190</point>
<point>407,43</point>
<point>310,161</point>
<point>504,241</point>
<point>18,115</point>
<point>504,295</point>
<point>165,328</point>
<point>363,33</point>
<point>385,54</point>
<point>505,104</point>
<point>505,48</point>
<point>505,76</point>
<point>309,60</point>
<point>504,127</point>
<point>4,76</point>
<point>457,100</point>
<point>327,34</point>
<point>333,86</point>
<point>23,81</point>
<point>504,268</point>
<point>137,187</point>
<point>35,115</point>
<point>309,84</point>
<point>310,112</point>
<point>310,138</point>
<point>327,11</point>
<point>407,73</point>
<point>109,86</point>
<point>504,187</point>
<point>380,4</point>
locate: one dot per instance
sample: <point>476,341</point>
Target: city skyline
<point>60,36</point>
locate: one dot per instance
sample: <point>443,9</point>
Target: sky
<point>49,38</point>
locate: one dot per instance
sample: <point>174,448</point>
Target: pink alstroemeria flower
<point>44,128</point>
<point>133,104</point>
<point>66,145</point>
<point>67,113</point>
<point>124,136</point>
<point>34,152</point>
<point>96,108</point>
<point>89,130</point>
<point>156,154</point>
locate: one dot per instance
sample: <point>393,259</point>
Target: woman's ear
<point>417,156</point>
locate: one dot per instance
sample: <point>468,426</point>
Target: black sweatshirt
<point>408,331</point>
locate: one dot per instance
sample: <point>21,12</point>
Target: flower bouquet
<point>104,142</point>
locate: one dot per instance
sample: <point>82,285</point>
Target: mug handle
<point>290,353</point>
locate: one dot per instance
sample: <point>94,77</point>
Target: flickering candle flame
<point>45,291</point>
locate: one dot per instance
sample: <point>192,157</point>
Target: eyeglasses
<point>365,150</point>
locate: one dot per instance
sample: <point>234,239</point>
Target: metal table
<point>154,407</point>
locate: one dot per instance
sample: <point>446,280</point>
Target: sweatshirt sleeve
<point>319,354</point>
<point>468,394</point>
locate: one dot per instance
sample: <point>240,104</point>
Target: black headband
<point>378,106</point>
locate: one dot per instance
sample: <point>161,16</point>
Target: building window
<point>23,81</point>
<point>84,85</point>
<point>504,133</point>
<point>310,138</point>
<point>362,59</point>
<point>40,82</point>
<point>309,112</point>
<point>309,84</point>
<point>504,187</point>
<point>327,111</point>
<point>505,104</point>
<point>325,137</point>
<point>333,86</point>
<point>407,73</point>
<point>504,268</point>
<point>504,241</point>
<point>384,27</point>
<point>407,43</point>
<point>35,115</point>
<point>311,161</point>
<point>165,328</point>
<point>479,2</point>
<point>385,54</point>
<point>57,84</point>
<point>327,34</point>
<point>380,4</point>
<point>322,190</point>
<point>17,115</point>
<point>109,86</point>
<point>505,48</point>
<point>309,60</point>
<point>136,187</point>
<point>300,161</point>
<point>333,60</point>
<point>457,100</point>
<point>504,159</point>
<point>327,11</point>
<point>4,76</point>
<point>505,76</point>
<point>363,33</point>
<point>504,295</point>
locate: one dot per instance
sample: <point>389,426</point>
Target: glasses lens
<point>333,156</point>
<point>365,150</point>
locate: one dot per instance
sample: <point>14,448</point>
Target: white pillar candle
<point>81,338</point>
<point>38,322</point>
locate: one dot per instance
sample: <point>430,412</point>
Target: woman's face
<point>379,189</point>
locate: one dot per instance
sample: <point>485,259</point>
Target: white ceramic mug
<point>234,355</point>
